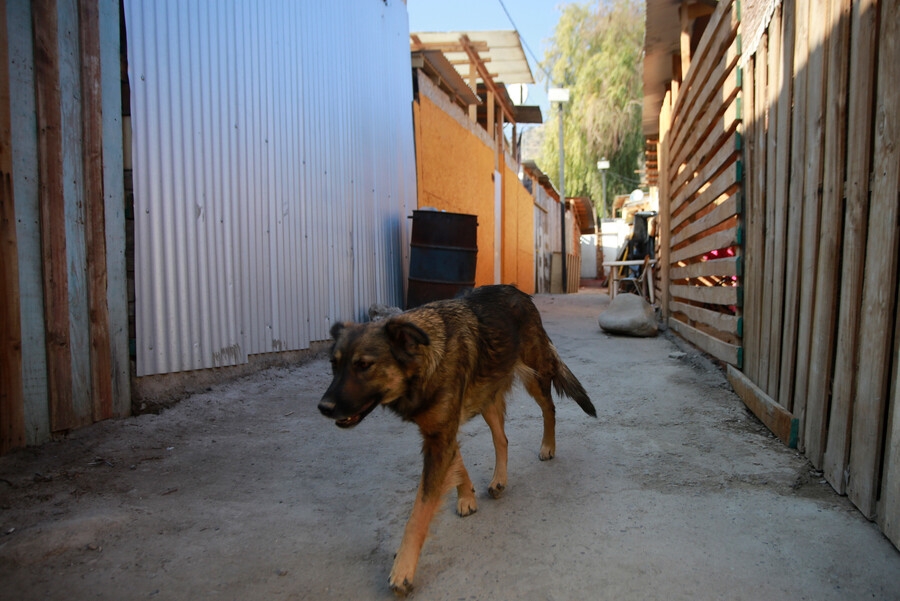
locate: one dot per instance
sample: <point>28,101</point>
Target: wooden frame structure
<point>791,158</point>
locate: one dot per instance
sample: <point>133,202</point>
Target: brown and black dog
<point>439,365</point>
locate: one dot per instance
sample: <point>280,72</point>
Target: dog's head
<point>371,364</point>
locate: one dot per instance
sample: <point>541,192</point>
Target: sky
<point>534,19</point>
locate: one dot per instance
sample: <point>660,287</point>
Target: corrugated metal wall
<point>274,168</point>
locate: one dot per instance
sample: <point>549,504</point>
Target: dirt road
<point>245,492</point>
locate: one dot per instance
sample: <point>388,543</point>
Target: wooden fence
<point>64,354</point>
<point>700,171</point>
<point>819,230</point>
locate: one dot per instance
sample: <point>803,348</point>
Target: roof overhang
<point>500,51</point>
<point>662,41</point>
<point>535,173</point>
<point>584,211</point>
<point>665,22</point>
<point>520,113</point>
<point>436,66</point>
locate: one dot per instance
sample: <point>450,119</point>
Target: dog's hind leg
<point>494,415</point>
<point>539,389</point>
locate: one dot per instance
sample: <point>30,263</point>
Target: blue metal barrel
<point>443,251</point>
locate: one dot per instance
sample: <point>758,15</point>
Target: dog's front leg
<point>439,456</point>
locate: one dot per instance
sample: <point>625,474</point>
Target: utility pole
<point>603,165</point>
<point>560,96</point>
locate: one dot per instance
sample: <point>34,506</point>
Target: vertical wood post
<point>12,408</point>
<point>52,214</point>
<point>94,200</point>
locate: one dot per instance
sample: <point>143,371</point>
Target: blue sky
<point>535,20</point>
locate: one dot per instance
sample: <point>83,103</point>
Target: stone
<point>630,315</point>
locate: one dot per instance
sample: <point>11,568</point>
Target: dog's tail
<point>567,384</point>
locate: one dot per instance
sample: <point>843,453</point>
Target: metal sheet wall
<point>274,168</point>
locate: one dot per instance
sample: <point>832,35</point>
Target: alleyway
<point>245,492</point>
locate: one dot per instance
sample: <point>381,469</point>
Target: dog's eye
<point>362,365</point>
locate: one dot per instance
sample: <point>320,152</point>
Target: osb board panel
<point>518,237</point>
<point>455,174</point>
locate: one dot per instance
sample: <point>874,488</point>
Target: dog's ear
<point>405,336</point>
<point>337,328</point>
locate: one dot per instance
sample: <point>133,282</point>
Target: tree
<point>597,52</point>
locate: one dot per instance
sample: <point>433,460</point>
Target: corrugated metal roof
<point>501,52</point>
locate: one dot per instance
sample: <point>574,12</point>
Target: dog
<point>438,366</point>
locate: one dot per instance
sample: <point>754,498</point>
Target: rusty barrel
<point>443,250</point>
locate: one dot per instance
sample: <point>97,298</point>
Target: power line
<point>524,43</point>
<point>624,180</point>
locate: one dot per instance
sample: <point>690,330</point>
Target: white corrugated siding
<point>274,168</point>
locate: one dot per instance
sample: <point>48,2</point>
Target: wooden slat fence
<point>818,231</point>
<point>830,72</point>
<point>64,354</point>
<point>700,174</point>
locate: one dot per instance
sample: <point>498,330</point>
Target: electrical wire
<point>524,43</point>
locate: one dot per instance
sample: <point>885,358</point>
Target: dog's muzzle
<point>328,408</point>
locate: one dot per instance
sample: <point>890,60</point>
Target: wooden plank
<point>720,267</point>
<point>722,239</point>
<point>729,353</point>
<point>12,402</point>
<point>773,87</point>
<point>775,417</point>
<point>713,295</point>
<point>665,214</point>
<point>724,182</point>
<point>889,506</point>
<point>880,283</point>
<point>714,123</point>
<point>863,20</point>
<point>728,153</point>
<point>114,192</point>
<point>754,209</point>
<point>823,330</point>
<point>723,212</point>
<point>782,168</point>
<point>52,214</point>
<point>685,38</point>
<point>814,112</point>
<point>729,324</point>
<point>795,210</point>
<point>710,157</point>
<point>750,197</point>
<point>723,22</point>
<point>718,93</point>
<point>94,205</point>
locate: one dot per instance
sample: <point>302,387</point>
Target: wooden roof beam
<point>475,60</point>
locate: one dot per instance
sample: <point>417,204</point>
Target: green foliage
<point>597,52</point>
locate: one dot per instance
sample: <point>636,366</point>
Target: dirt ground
<point>246,492</point>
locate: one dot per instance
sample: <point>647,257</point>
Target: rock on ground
<point>629,314</point>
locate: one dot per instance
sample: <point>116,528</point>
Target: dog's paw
<point>466,506</point>
<point>401,578</point>
<point>496,490</point>
<point>546,453</point>
<point>402,589</point>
